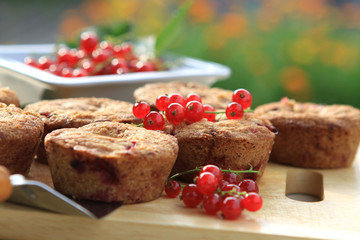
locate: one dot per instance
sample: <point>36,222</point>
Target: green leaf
<point>170,32</point>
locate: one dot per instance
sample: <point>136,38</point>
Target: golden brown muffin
<point>216,97</point>
<point>8,97</point>
<point>233,144</point>
<point>110,162</point>
<point>313,135</point>
<point>20,135</point>
<point>77,112</point>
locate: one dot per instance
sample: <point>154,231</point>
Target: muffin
<point>110,162</point>
<point>77,112</point>
<point>313,135</point>
<point>233,144</point>
<point>8,97</point>
<point>216,97</point>
<point>20,135</point>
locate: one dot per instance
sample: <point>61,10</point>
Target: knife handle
<point>5,184</point>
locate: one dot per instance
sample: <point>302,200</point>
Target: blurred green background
<point>308,50</point>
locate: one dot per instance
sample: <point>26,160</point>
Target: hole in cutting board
<point>304,185</point>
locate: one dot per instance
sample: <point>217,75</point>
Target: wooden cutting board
<point>337,216</point>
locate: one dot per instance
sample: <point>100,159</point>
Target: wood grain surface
<point>337,216</point>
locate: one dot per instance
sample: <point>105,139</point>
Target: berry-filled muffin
<point>8,97</point>
<point>77,112</point>
<point>216,97</point>
<point>110,161</point>
<point>234,144</point>
<point>20,135</point>
<point>313,135</point>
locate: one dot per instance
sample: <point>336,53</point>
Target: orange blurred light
<point>202,11</point>
<point>295,79</point>
<point>233,25</point>
<point>72,23</point>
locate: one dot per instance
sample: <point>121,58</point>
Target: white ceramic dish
<point>32,84</point>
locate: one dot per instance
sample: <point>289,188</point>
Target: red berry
<point>209,116</point>
<point>44,62</point>
<point>193,97</point>
<point>144,67</point>
<point>231,177</point>
<point>154,121</point>
<point>31,62</point>
<point>79,72</point>
<point>162,102</point>
<point>234,111</point>
<point>230,188</point>
<point>177,98</point>
<point>252,202</point>
<point>141,109</point>
<point>172,189</point>
<point>231,208</point>
<point>88,42</point>
<point>223,183</point>
<point>117,63</point>
<point>207,183</point>
<point>100,55</point>
<point>123,50</point>
<point>175,113</point>
<point>88,66</point>
<point>107,46</point>
<point>248,185</point>
<point>212,203</point>
<point>191,195</point>
<point>66,72</point>
<point>243,97</point>
<point>194,111</point>
<point>214,170</point>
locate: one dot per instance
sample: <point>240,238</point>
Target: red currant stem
<point>197,169</point>
<point>139,125</point>
<point>219,112</point>
<point>232,192</point>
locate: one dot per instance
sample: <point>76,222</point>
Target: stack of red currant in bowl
<point>94,57</point>
<point>175,108</point>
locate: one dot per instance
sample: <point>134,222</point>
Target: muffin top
<point>77,112</point>
<point>113,140</point>
<point>309,113</point>
<point>247,128</point>
<point>8,97</point>
<point>17,122</point>
<point>216,97</point>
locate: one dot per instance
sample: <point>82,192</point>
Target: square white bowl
<point>32,84</point>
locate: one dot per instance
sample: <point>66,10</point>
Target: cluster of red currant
<point>218,190</point>
<point>94,58</point>
<point>176,109</point>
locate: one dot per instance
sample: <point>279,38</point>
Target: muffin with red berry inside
<point>77,112</point>
<point>110,161</point>
<point>8,97</point>
<point>216,97</point>
<point>313,135</point>
<point>20,135</point>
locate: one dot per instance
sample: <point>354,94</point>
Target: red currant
<point>191,195</point>
<point>117,63</point>
<point>107,46</point>
<point>231,177</point>
<point>175,113</point>
<point>88,66</point>
<point>44,62</point>
<point>194,111</point>
<point>154,121</point>
<point>79,72</point>
<point>88,42</point>
<point>144,67</point>
<point>214,170</point>
<point>100,55</point>
<point>141,109</point>
<point>209,116</point>
<point>234,111</point>
<point>243,97</point>
<point>229,188</point>
<point>172,189</point>
<point>248,185</point>
<point>31,62</point>
<point>177,98</point>
<point>162,102</point>
<point>253,202</point>
<point>212,203</point>
<point>67,72</point>
<point>231,208</point>
<point>193,97</point>
<point>123,50</point>
<point>207,183</point>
